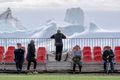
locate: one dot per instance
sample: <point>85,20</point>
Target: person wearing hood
<point>31,55</point>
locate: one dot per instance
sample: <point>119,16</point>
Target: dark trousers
<point>111,65</point>
<point>19,64</point>
<point>29,64</point>
<point>58,53</point>
<point>79,65</point>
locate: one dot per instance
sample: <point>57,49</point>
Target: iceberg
<point>9,24</point>
<point>74,16</point>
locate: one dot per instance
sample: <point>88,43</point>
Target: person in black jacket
<point>58,43</point>
<point>108,56</point>
<point>31,55</point>
<point>19,57</point>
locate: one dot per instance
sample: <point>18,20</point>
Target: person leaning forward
<point>58,43</point>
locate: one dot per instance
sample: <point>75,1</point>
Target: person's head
<point>32,41</point>
<point>58,31</point>
<point>107,48</point>
<point>77,47</point>
<point>74,48</point>
<point>19,45</point>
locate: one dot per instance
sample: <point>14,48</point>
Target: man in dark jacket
<point>58,43</point>
<point>31,55</point>
<point>108,56</point>
<point>19,57</point>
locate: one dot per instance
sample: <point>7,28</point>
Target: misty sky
<point>33,13</point>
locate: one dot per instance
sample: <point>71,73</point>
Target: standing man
<point>58,43</point>
<point>19,57</point>
<point>31,55</point>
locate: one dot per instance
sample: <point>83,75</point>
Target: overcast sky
<point>105,13</point>
<point>86,4</point>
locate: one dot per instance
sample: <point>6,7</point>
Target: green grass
<point>58,77</point>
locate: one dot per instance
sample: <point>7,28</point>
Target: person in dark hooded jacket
<point>58,43</point>
<point>31,55</point>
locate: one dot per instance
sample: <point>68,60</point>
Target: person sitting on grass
<point>76,58</point>
<point>108,56</point>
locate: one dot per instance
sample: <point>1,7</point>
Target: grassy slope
<point>57,77</point>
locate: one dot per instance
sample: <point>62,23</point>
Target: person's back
<point>58,38</point>
<point>59,44</point>
<point>31,56</point>
<point>31,51</point>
